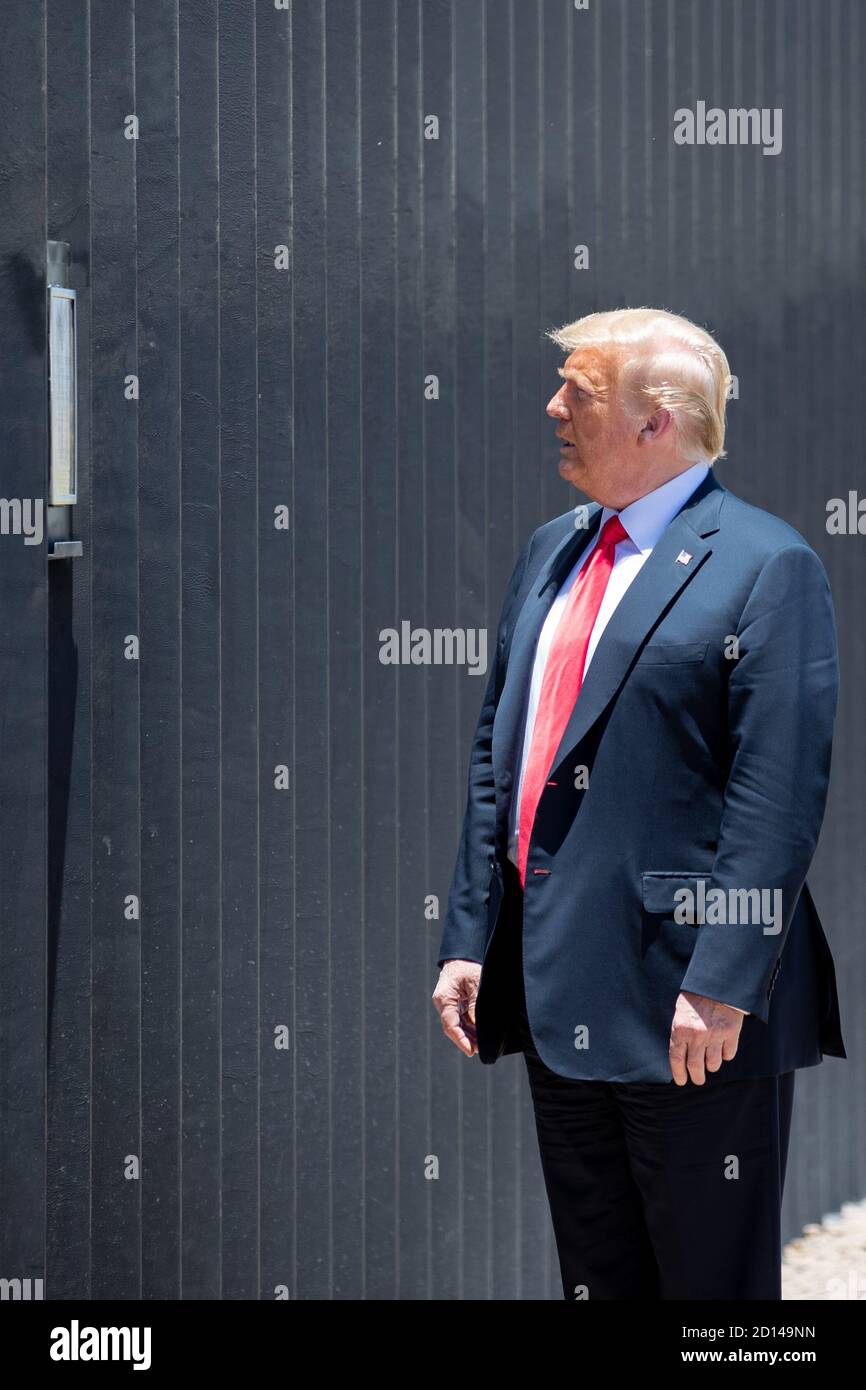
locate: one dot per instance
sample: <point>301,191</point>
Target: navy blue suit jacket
<point>700,765</point>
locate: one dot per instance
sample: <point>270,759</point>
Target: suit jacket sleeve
<point>464,931</point>
<point>781,709</point>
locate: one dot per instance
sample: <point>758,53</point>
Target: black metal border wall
<point>316,246</point>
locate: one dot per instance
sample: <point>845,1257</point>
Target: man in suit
<point>646,787</point>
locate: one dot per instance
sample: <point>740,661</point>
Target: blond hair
<point>662,360</point>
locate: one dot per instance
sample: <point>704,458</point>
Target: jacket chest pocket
<point>672,653</point>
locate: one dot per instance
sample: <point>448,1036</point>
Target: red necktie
<point>563,676</point>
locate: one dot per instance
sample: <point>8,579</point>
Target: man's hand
<point>454,998</point>
<point>704,1033</point>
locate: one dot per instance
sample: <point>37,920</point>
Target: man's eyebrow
<point>570,374</point>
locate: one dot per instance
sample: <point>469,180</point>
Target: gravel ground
<point>829,1259</point>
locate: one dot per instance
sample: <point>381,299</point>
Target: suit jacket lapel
<point>653,590</point>
<point>508,724</point>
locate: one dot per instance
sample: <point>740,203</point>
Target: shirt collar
<point>647,517</point>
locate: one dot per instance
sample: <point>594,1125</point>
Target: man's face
<point>604,451</point>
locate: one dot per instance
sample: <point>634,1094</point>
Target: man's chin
<point>569,469</point>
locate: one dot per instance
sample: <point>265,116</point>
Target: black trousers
<point>656,1191</point>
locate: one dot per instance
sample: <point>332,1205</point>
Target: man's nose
<point>556,407</point>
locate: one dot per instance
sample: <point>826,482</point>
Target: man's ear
<point>656,424</point>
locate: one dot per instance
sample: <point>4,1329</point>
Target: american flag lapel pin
<point>683,557</point>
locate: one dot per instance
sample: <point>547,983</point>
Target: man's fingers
<point>704,1034</point>
<point>467,1016</point>
<point>454,998</point>
<point>452,1027</point>
<point>677,1057</point>
<point>695,1060</point>
<point>686,1056</point>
